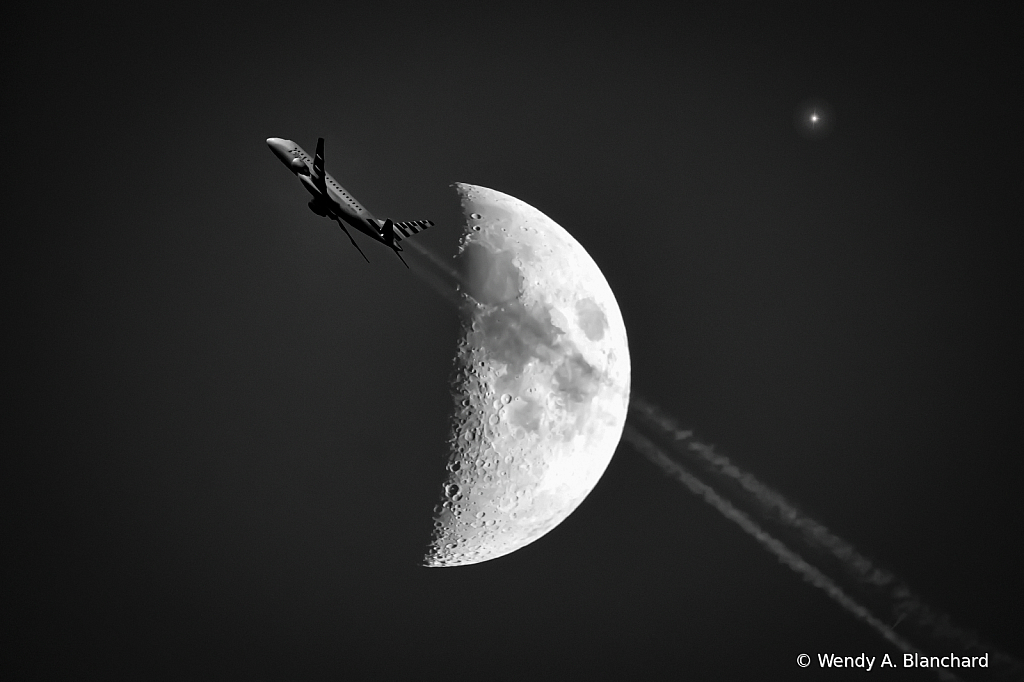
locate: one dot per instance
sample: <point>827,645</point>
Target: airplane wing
<point>349,235</point>
<point>319,176</point>
<point>318,160</point>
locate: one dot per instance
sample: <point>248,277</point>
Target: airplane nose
<point>280,147</point>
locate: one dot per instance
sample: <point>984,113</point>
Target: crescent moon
<point>541,382</point>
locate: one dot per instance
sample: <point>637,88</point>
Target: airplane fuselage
<point>333,201</point>
<point>338,203</point>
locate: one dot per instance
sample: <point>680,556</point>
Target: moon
<point>541,382</point>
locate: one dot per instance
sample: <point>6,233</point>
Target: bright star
<point>814,119</point>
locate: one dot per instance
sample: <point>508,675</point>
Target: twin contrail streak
<point>441,276</point>
<point>884,586</point>
<point>783,553</point>
<point>770,501</point>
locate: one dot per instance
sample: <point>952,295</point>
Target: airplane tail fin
<point>388,232</point>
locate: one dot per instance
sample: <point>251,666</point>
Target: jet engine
<point>317,208</point>
<point>299,165</point>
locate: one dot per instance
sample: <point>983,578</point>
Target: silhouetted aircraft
<point>332,201</point>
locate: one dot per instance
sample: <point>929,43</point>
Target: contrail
<point>769,500</point>
<point>897,597</point>
<point>884,589</point>
<point>783,553</point>
<point>437,261</point>
<point>441,276</point>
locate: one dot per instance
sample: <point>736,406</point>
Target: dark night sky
<point>230,428</point>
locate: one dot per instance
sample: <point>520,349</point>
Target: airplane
<point>330,199</point>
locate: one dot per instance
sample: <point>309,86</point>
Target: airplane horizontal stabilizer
<point>404,230</point>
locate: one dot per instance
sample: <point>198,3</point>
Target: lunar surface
<point>541,382</point>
